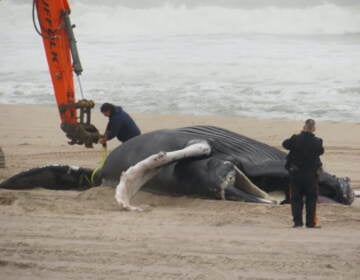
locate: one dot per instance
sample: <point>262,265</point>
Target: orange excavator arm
<point>63,59</point>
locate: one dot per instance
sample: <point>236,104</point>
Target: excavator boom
<point>63,59</point>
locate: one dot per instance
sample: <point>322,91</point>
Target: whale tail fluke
<point>55,177</point>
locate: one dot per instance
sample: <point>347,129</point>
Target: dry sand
<point>82,235</point>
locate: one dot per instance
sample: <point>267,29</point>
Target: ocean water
<point>262,59</point>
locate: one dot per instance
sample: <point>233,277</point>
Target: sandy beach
<point>48,234</point>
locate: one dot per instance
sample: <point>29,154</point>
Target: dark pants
<point>304,184</point>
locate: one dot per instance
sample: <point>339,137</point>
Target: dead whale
<point>206,161</point>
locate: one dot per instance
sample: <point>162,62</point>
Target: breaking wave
<point>112,17</point>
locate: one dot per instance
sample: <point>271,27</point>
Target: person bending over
<point>120,124</point>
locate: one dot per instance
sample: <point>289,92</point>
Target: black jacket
<point>121,125</point>
<point>305,150</point>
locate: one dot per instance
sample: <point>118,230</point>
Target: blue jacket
<point>121,125</point>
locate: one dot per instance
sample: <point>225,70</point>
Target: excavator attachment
<point>82,132</point>
<point>62,56</point>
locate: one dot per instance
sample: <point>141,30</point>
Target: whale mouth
<point>243,189</point>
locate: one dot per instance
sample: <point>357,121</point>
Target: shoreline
<point>96,109</point>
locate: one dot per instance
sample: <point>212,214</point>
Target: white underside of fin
<point>136,176</point>
<point>250,187</point>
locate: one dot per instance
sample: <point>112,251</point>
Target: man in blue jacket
<point>120,124</point>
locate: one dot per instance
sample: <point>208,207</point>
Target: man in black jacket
<point>120,124</point>
<point>303,163</point>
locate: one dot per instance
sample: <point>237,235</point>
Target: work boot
<point>297,225</point>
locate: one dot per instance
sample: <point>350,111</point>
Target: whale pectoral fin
<point>248,190</point>
<point>136,176</point>
<point>133,179</point>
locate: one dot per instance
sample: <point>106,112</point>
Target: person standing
<point>303,163</point>
<point>120,124</point>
